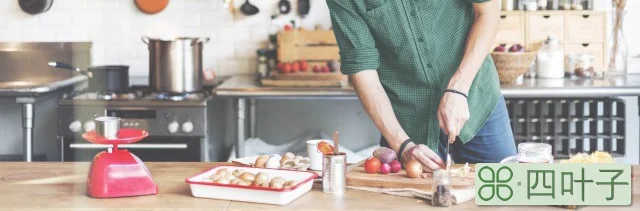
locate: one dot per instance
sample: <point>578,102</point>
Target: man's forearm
<point>376,103</point>
<point>479,41</point>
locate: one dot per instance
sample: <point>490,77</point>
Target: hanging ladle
<point>249,9</point>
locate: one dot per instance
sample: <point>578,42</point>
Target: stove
<point>177,123</point>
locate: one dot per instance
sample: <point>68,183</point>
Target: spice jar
<point>263,66</point>
<point>565,4</point>
<point>507,5</point>
<point>441,189</point>
<point>587,4</point>
<point>550,59</point>
<point>582,65</point>
<point>542,4</point>
<point>576,4</point>
<point>553,5</point>
<point>531,152</point>
<point>530,5</point>
<point>569,69</point>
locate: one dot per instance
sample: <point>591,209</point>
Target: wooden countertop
<point>62,186</point>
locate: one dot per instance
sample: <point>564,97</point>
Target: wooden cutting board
<point>309,76</point>
<point>357,177</point>
<point>300,83</point>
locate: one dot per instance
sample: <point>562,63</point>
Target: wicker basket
<point>511,65</point>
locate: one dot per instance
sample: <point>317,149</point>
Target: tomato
<point>295,67</point>
<point>288,27</point>
<point>325,148</point>
<point>281,67</point>
<point>325,69</point>
<point>304,66</point>
<point>286,68</point>
<point>372,165</point>
<point>317,69</point>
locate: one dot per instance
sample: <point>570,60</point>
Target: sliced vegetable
<point>325,148</point>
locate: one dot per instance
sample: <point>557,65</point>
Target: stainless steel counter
<point>36,87</point>
<point>245,86</point>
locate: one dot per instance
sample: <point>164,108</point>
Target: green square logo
<point>553,184</point>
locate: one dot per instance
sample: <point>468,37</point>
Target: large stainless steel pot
<point>175,66</point>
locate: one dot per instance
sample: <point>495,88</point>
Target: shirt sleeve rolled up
<point>357,46</point>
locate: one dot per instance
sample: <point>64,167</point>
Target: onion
<point>414,169</point>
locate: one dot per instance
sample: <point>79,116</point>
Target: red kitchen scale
<point>118,172</point>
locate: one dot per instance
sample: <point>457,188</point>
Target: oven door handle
<point>129,146</point>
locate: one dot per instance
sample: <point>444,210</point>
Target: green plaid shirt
<point>416,47</point>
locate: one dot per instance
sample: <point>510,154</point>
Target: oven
<point>150,149</point>
<point>177,129</point>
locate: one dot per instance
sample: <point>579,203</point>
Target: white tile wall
<point>116,26</point>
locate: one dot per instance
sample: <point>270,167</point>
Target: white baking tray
<point>202,187</point>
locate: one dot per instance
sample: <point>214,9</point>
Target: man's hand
<point>453,113</point>
<point>428,158</point>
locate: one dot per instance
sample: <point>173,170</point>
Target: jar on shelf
<point>587,4</point>
<point>531,5</point>
<point>550,59</point>
<point>263,65</point>
<point>553,5</point>
<point>441,189</point>
<point>519,4</point>
<point>542,4</point>
<point>576,5</point>
<point>565,4</point>
<point>569,70</point>
<point>581,64</point>
<point>507,5</point>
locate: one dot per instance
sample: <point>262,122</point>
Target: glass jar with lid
<point>565,4</point>
<point>441,189</point>
<point>532,152</point>
<point>550,59</point>
<point>581,64</point>
<point>553,5</point>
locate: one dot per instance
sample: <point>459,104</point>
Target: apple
<point>304,66</point>
<point>516,48</point>
<point>500,48</point>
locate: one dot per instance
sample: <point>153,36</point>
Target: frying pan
<point>34,7</point>
<point>112,78</point>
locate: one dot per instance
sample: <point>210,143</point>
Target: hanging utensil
<point>34,7</point>
<point>284,6</point>
<point>249,9</point>
<point>303,7</point>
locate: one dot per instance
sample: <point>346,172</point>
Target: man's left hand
<point>453,113</point>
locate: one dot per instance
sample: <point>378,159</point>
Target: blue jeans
<point>491,144</point>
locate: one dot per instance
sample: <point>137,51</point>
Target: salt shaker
<point>441,188</point>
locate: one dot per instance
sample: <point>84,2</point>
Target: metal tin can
<point>334,173</point>
<point>107,126</point>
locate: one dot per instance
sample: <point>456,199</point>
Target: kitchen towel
<point>459,195</point>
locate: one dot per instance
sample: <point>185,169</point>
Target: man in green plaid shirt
<point>423,73</point>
